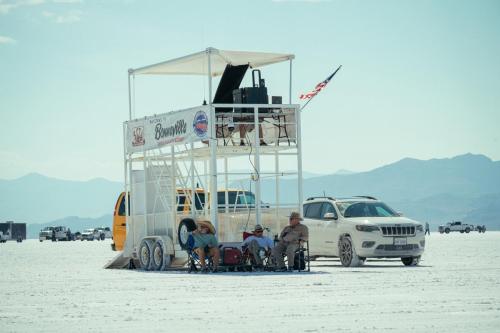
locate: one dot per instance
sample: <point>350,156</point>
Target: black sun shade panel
<point>230,80</point>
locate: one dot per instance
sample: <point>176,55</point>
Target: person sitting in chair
<point>206,243</point>
<point>258,242</point>
<point>290,240</point>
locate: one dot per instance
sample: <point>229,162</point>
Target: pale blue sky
<point>419,79</point>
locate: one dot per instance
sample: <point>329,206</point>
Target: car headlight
<point>420,227</point>
<point>366,227</point>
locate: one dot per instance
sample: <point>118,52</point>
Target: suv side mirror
<point>330,216</point>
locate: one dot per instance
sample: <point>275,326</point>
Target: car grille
<point>398,230</point>
<point>391,247</point>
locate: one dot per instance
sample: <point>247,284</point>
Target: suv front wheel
<point>410,261</point>
<point>347,253</point>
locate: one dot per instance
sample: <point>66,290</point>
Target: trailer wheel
<point>185,227</point>
<point>145,254</point>
<point>159,259</point>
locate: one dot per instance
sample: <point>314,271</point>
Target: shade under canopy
<point>197,63</point>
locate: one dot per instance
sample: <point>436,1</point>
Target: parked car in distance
<point>90,234</point>
<point>55,233</point>
<point>357,228</point>
<point>455,226</point>
<point>104,232</point>
<point>480,228</point>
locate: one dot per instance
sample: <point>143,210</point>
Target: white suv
<point>357,228</point>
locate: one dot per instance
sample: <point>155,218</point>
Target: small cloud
<point>69,17</point>
<point>6,40</point>
<point>73,16</point>
<point>48,14</point>
<point>7,6</point>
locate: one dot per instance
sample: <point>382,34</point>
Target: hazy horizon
<point>314,174</point>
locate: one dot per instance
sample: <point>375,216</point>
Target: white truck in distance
<point>59,233</point>
<point>456,226</point>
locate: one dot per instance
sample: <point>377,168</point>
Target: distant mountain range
<point>35,198</point>
<point>465,187</point>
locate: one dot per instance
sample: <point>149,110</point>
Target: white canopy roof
<point>197,63</point>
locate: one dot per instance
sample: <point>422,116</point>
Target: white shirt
<point>263,241</point>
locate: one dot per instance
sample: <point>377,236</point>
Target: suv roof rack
<point>312,198</point>
<point>366,197</point>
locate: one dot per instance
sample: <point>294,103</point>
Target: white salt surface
<point>62,286</point>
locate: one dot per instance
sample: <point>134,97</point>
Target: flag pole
<point>303,106</point>
<point>327,80</point>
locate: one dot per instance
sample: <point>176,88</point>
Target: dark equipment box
<point>252,95</point>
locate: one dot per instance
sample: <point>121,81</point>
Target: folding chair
<point>301,260</point>
<point>249,259</point>
<point>194,261</point>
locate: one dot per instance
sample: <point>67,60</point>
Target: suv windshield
<point>365,209</point>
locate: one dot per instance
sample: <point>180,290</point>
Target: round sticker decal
<point>200,124</point>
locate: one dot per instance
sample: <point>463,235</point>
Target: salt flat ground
<point>63,287</point>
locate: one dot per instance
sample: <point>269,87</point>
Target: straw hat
<point>206,223</point>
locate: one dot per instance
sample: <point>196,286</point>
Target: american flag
<point>319,86</point>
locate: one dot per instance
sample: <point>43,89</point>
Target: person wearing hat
<point>289,241</point>
<point>256,243</point>
<point>206,243</point>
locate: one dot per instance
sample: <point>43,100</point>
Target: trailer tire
<point>159,259</point>
<point>185,227</point>
<point>145,254</point>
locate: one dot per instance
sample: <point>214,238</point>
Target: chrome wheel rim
<point>346,252</point>
<point>158,255</point>
<point>144,255</point>
<point>183,234</point>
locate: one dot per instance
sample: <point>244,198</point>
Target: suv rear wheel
<point>347,253</point>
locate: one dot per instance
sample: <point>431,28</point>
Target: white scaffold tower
<point>178,165</point>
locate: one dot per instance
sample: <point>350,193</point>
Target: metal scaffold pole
<point>213,149</point>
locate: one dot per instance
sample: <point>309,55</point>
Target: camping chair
<point>302,261</point>
<point>194,261</point>
<point>249,259</point>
